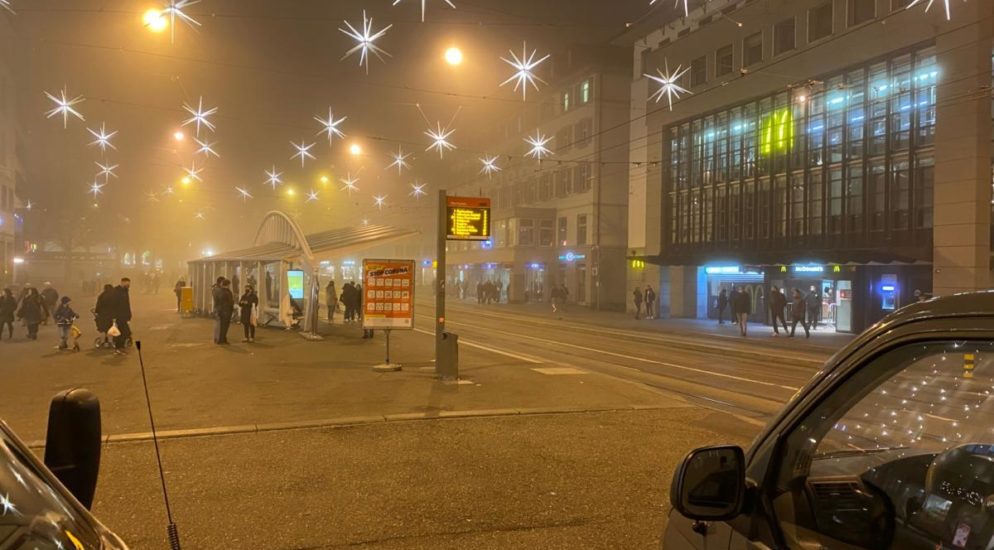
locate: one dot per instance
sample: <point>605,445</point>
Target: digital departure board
<point>468,219</point>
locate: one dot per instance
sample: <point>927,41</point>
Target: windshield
<point>33,514</point>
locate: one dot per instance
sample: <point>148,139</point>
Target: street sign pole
<point>440,281</point>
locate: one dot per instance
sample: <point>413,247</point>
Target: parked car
<point>45,505</point>
<point>890,445</point>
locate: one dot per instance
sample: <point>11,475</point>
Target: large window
<point>752,49</point>
<point>581,229</point>
<point>852,157</point>
<point>861,11</point>
<point>723,61</point>
<point>783,36</point>
<point>820,21</point>
<point>561,231</point>
<point>699,71</point>
<point>526,232</point>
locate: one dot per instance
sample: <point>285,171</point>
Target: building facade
<point>839,147</point>
<point>10,168</point>
<point>560,220</point>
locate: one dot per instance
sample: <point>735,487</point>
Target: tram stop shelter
<point>282,248</point>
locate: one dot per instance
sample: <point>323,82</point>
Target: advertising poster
<point>295,282</point>
<point>388,294</point>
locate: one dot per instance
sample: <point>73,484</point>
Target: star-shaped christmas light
<point>174,8</point>
<point>96,189</point>
<point>274,178</point>
<point>365,41</point>
<point>423,3</point>
<point>65,107</point>
<point>244,193</point>
<point>489,165</point>
<point>303,152</point>
<point>417,190</point>
<point>350,183</point>
<point>400,160</point>
<point>200,116</point>
<point>194,173</point>
<point>538,143</point>
<point>107,171</point>
<point>379,201</point>
<point>928,6</point>
<point>152,196</point>
<point>668,86</point>
<point>7,506</point>
<point>440,140</point>
<point>102,137</point>
<point>331,126</point>
<point>524,70</point>
<point>312,196</point>
<point>200,215</point>
<point>206,148</point>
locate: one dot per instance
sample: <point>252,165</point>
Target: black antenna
<point>172,530</point>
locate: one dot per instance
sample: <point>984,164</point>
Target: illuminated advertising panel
<point>388,294</point>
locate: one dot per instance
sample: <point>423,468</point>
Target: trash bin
<point>447,362</point>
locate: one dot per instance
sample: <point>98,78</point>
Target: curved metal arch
<point>277,227</point>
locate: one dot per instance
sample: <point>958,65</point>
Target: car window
<point>900,456</point>
<point>34,515</point>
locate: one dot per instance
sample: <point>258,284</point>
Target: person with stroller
<point>103,314</point>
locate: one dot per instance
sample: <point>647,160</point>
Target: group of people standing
<point>488,292</point>
<point>224,311</point>
<point>804,309</point>
<point>648,297</point>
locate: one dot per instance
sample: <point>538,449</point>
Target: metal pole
<point>440,277</point>
<point>388,345</point>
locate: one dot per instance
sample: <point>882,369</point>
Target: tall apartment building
<point>841,147</point>
<point>561,220</point>
<point>10,169</point>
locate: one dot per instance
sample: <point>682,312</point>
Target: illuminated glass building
<point>836,145</point>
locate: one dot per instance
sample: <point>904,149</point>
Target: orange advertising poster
<point>388,294</point>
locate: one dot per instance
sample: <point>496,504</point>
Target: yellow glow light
<point>290,192</point>
<point>155,21</point>
<point>178,135</point>
<point>325,180</point>
<point>453,56</point>
<point>186,180</point>
<point>355,149</point>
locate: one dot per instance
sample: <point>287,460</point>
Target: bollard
<point>447,363</point>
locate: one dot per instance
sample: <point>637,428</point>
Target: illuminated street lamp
<point>178,135</point>
<point>355,149</point>
<point>155,21</point>
<point>186,181</point>
<point>453,56</point>
<point>325,180</point>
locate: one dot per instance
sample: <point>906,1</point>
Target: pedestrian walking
<point>8,307</point>
<point>742,307</point>
<point>563,296</point>
<point>224,309</point>
<point>555,296</point>
<point>32,312</point>
<point>797,311</point>
<point>346,299</point>
<point>777,304</point>
<point>249,306</point>
<point>331,300</point>
<point>51,298</point>
<point>722,305</point>
<point>814,307</point>
<point>637,298</point>
<point>650,302</point>
<point>122,315</point>
<point>178,291</point>
<point>65,317</point>
<point>103,312</point>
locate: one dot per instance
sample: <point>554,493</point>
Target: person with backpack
<point>65,317</point>
<point>637,298</point>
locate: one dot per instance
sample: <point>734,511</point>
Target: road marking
<point>558,371</point>
<point>640,359</point>
<point>525,358</point>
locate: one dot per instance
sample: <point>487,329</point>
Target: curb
<point>346,422</point>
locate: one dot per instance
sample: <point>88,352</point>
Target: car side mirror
<point>72,446</point>
<point>710,484</point>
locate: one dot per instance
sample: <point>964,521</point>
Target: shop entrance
<point>829,301</point>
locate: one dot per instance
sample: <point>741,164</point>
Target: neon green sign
<point>776,131</point>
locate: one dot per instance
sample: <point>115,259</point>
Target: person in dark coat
<point>224,309</point>
<point>246,304</point>
<point>742,306</point>
<point>797,312</point>
<point>8,307</point>
<point>64,318</point>
<point>178,291</point>
<point>637,299</point>
<point>777,304</point>
<point>346,300</point>
<point>51,298</point>
<point>104,311</point>
<point>722,304</point>
<point>122,314</point>
<point>814,308</point>
<point>650,302</point>
<point>32,312</point>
